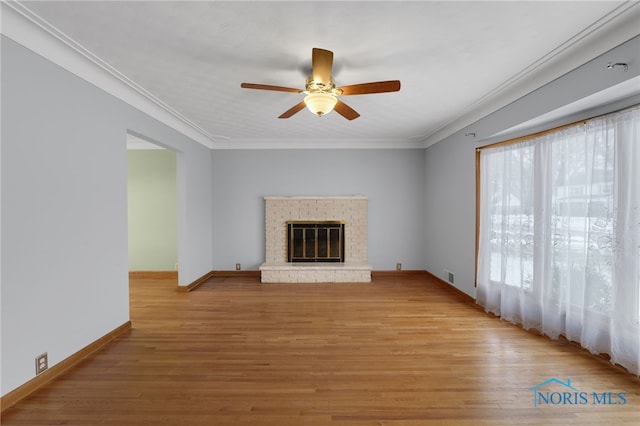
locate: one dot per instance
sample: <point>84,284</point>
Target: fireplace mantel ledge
<point>320,197</point>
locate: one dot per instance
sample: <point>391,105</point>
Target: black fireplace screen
<point>315,241</point>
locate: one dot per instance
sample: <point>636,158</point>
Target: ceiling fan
<point>322,93</point>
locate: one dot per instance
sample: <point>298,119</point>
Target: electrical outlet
<point>175,266</point>
<point>42,363</point>
<point>398,266</point>
<point>238,267</point>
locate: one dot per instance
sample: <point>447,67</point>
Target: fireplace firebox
<point>321,241</point>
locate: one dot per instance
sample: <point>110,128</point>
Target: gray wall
<point>63,257</point>
<point>449,220</point>
<point>389,178</point>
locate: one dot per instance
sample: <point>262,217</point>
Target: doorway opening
<point>152,208</point>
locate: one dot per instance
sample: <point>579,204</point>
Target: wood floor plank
<point>402,350</point>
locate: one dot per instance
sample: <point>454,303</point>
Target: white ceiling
<point>451,57</point>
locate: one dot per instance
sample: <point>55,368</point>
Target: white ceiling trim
<point>28,30</point>
<point>612,30</point>
<point>320,144</point>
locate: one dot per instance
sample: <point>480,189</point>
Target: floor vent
<point>449,276</point>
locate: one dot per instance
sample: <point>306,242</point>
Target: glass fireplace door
<point>315,241</point>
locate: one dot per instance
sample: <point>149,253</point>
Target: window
<point>559,234</point>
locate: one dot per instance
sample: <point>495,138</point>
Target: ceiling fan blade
<point>321,63</point>
<point>268,87</point>
<point>288,113</point>
<point>375,87</point>
<point>346,111</point>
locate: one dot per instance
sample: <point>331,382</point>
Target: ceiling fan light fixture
<point>320,103</point>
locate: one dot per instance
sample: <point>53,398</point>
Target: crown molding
<point>27,29</point>
<point>612,30</point>
<point>319,144</point>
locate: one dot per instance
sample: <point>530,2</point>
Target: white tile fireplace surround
<point>352,210</point>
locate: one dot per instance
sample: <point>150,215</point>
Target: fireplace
<point>315,241</point>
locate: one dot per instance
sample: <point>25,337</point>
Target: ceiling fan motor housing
<point>311,86</point>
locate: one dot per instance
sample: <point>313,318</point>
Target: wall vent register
<point>315,241</point>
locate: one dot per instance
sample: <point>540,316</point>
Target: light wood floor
<point>399,351</point>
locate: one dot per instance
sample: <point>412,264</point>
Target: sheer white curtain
<point>559,237</point>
